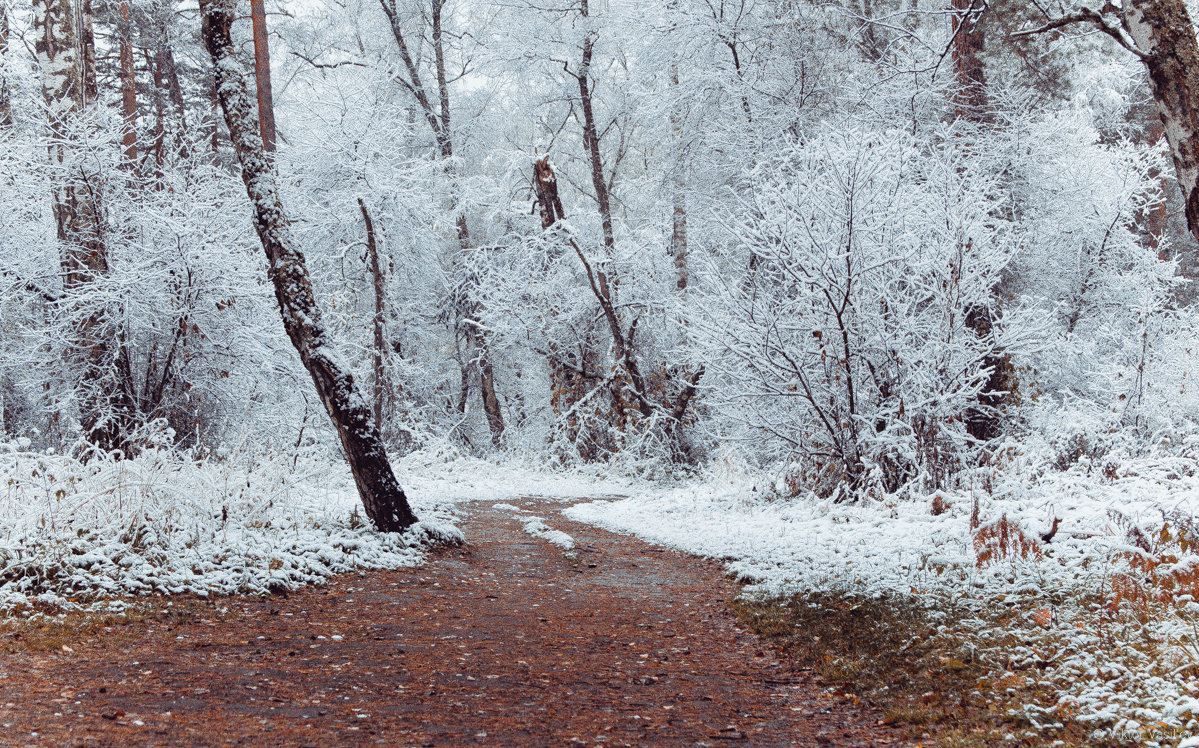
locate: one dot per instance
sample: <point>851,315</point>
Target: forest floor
<point>508,640</point>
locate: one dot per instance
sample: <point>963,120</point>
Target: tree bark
<point>262,75</point>
<point>128,82</point>
<point>547,192</point>
<point>591,140</point>
<point>5,97</point>
<point>154,63</point>
<point>1165,38</point>
<point>382,497</point>
<point>87,42</point>
<point>214,135</point>
<point>968,42</point>
<point>678,234</point>
<point>1162,35</point>
<point>170,73</point>
<point>984,419</point>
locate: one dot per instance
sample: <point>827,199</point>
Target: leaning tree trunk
<point>1165,37</point>
<point>382,496</point>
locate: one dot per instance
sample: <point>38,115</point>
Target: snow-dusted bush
<point>181,309</point>
<point>837,320</point>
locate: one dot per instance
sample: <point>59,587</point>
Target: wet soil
<point>505,641</point>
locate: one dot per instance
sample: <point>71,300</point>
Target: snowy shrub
<point>862,255</point>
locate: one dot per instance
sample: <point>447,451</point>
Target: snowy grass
<point>72,532</point>
<point>1073,619</point>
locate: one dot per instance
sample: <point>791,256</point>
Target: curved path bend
<point>507,641</point>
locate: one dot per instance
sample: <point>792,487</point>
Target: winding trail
<point>506,641</point>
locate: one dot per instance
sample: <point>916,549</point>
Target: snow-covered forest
<point>877,298</point>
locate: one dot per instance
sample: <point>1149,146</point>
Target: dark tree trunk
<point>262,75</point>
<point>382,496</point>
<point>5,97</point>
<point>984,419</point>
<point>378,388</point>
<point>597,278</point>
<point>591,140</point>
<point>1162,35</point>
<point>87,41</point>
<point>214,135</point>
<point>154,62</point>
<point>545,185</point>
<point>547,190</point>
<point>968,43</point>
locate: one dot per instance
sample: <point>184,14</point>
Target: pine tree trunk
<point>262,75</point>
<point>128,81</point>
<point>968,43</point>
<point>1164,34</point>
<point>381,494</point>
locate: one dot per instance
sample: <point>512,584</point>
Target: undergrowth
<point>923,677</point>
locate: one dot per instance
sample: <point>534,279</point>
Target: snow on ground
<point>452,477</point>
<point>1130,674</point>
<point>72,532</point>
<point>537,527</point>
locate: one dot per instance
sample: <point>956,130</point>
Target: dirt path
<point>504,642</point>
